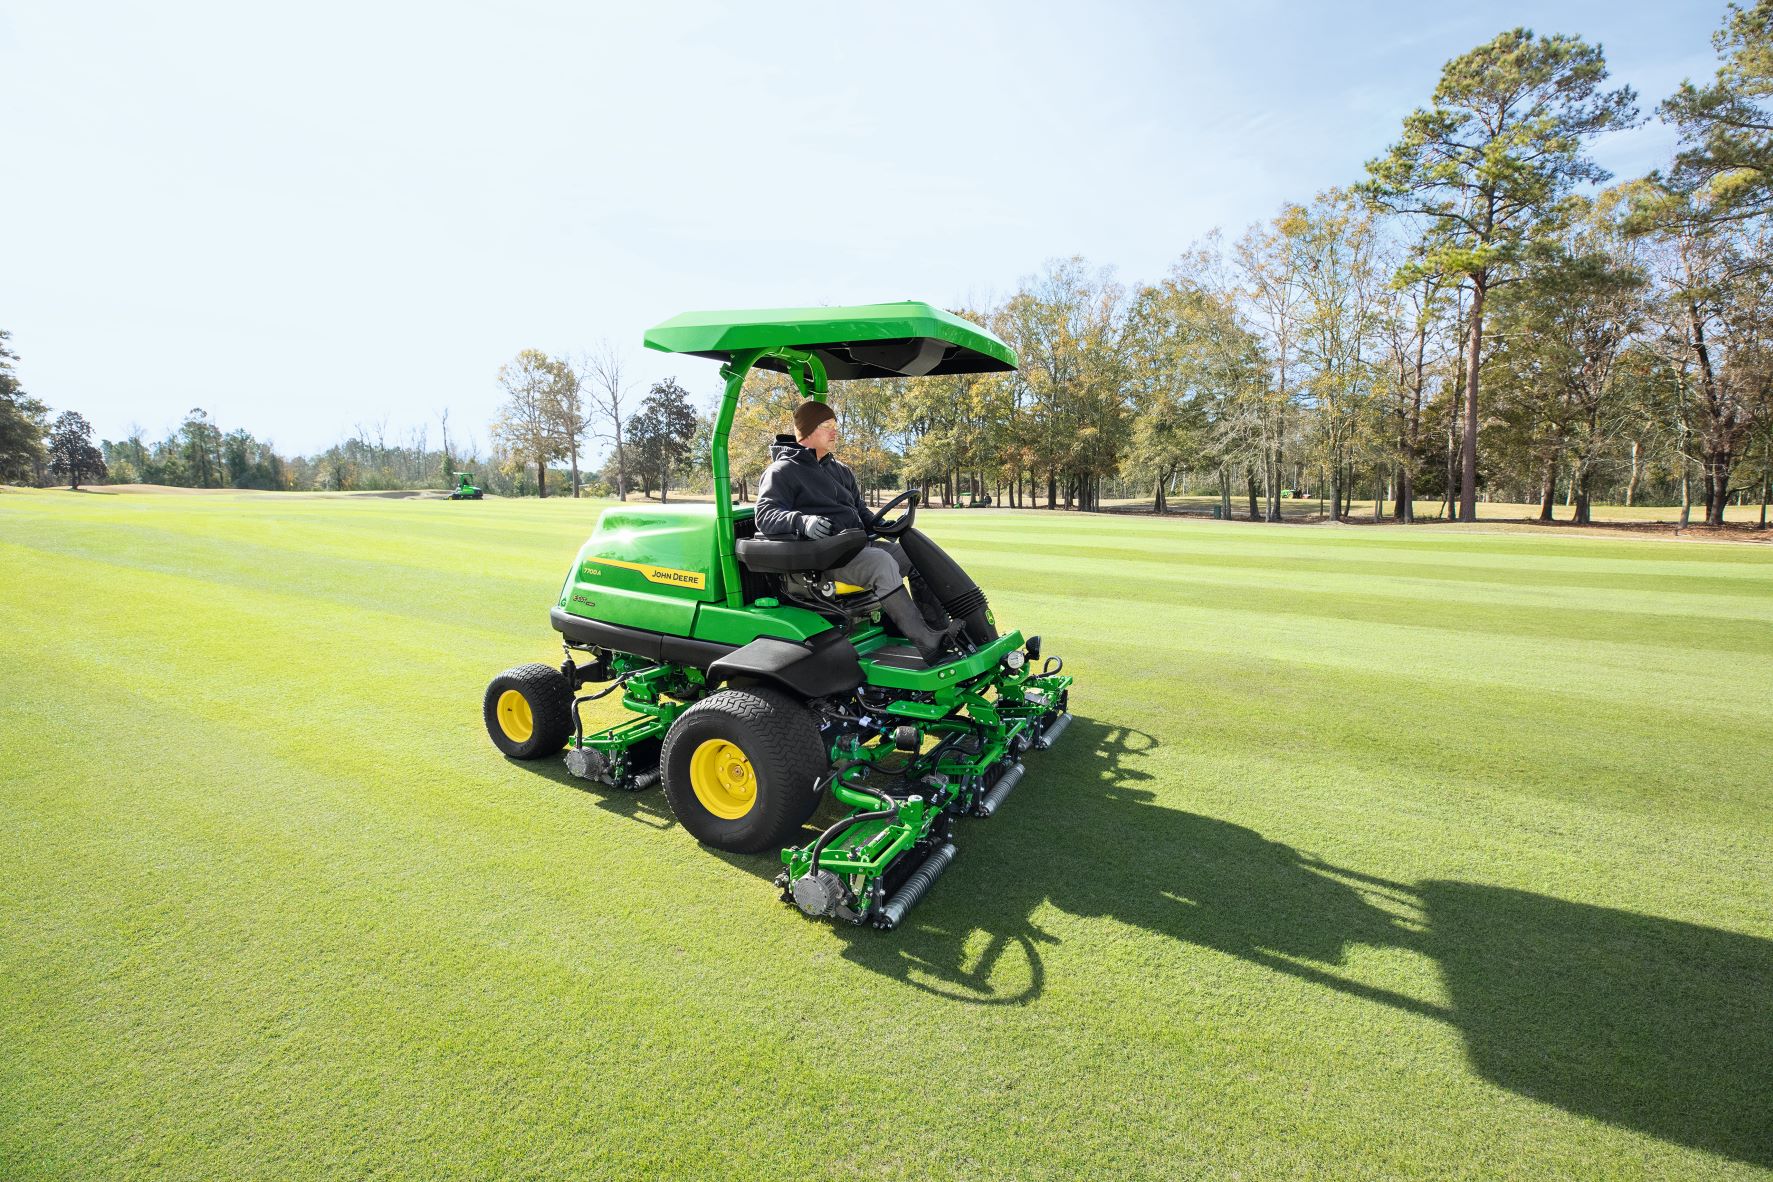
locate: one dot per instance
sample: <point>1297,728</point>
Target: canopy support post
<point>734,372</point>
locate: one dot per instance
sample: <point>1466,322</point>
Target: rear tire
<point>740,769</point>
<point>529,711</point>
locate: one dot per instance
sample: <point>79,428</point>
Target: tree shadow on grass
<point>1647,1023</point>
<point>1643,1022</point>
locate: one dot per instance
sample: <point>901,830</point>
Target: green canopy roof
<point>908,339</point>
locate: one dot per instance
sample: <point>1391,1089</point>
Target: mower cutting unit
<point>757,685</point>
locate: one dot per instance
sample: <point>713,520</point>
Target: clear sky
<point>307,217</point>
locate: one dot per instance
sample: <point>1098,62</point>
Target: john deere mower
<point>755,685</point>
<point>465,489</point>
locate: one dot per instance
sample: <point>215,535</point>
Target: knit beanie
<point>808,415</point>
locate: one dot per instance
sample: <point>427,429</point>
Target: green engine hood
<point>658,568</point>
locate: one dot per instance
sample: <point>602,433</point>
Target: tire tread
<point>777,733</point>
<point>550,705</point>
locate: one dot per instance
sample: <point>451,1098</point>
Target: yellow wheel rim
<point>514,717</point>
<point>722,779</point>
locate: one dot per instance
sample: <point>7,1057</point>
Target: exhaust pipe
<point>892,912</point>
<point>1005,785</point>
<point>958,593</point>
<point>1051,735</point>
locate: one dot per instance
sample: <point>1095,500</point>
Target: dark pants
<point>879,567</point>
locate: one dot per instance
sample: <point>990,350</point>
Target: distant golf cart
<point>466,489</point>
<point>755,685</point>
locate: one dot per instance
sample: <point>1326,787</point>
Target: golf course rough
<point>1372,853</point>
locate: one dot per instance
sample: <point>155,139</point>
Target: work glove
<point>817,527</point>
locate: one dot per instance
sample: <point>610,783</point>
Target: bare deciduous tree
<point>572,416</point>
<point>604,386</point>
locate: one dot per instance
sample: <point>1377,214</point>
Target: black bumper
<point>654,646</point>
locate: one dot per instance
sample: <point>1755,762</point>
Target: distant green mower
<point>465,489</point>
<point>756,684</point>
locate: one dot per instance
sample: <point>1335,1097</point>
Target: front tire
<point>740,769</point>
<point>529,711</point>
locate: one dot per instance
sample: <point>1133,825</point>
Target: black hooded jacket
<point>798,485</point>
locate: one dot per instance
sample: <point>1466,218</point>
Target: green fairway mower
<point>466,489</point>
<point>756,684</point>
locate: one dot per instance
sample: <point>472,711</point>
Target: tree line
<point>1481,314</point>
<point>1480,283</point>
<point>553,409</point>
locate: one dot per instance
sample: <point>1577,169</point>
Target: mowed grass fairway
<point>1372,853</point>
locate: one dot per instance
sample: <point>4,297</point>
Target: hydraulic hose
<point>887,811</point>
<point>824,839</point>
<point>578,724</point>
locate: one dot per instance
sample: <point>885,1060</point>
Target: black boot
<point>930,642</point>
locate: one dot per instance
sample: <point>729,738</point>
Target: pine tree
<point>1488,164</point>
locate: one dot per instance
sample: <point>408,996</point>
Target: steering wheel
<point>894,528</point>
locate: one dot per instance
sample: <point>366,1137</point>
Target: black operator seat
<point>788,556</point>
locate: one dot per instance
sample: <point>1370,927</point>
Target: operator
<point>807,492</point>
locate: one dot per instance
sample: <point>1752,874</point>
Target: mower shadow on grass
<point>1647,1023</point>
<point>647,807</point>
<point>1082,836</point>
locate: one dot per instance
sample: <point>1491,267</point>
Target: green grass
<point>1371,854</point>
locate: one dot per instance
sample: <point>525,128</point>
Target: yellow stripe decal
<point>656,574</point>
